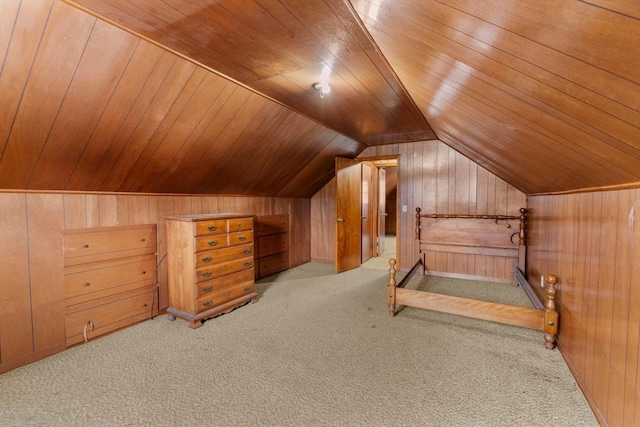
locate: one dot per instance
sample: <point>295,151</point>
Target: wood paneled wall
<point>438,179</point>
<point>592,242</point>
<point>32,321</point>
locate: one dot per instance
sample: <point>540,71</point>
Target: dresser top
<point>208,217</point>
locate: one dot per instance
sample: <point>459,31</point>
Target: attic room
<point>123,116</point>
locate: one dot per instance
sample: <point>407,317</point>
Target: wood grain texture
<point>525,82</point>
<point>592,240</point>
<point>31,252</point>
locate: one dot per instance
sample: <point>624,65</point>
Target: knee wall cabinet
<point>108,279</point>
<point>273,245</point>
<point>210,265</point>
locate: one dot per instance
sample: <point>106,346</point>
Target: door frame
<point>391,160</point>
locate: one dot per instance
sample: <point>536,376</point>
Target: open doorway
<point>366,213</point>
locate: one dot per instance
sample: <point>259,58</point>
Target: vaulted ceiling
<point>216,96</point>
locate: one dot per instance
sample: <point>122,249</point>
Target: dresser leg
<point>193,324</point>
<point>171,317</point>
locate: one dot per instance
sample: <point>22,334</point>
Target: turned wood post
<point>391,287</point>
<point>522,241</point>
<point>550,313</point>
<point>418,210</point>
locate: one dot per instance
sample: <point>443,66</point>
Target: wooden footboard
<point>545,320</point>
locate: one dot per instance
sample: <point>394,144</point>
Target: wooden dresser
<point>210,265</point>
<point>273,244</point>
<point>108,279</point>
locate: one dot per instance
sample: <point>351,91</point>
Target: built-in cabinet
<point>210,265</point>
<point>272,254</point>
<point>108,279</point>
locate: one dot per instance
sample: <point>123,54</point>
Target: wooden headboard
<point>496,241</point>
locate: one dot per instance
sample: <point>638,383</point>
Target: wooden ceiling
<point>216,97</point>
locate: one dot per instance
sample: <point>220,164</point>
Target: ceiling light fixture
<point>323,88</point>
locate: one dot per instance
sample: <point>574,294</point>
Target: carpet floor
<point>317,349</point>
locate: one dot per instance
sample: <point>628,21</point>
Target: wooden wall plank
<point>14,254</point>
<point>591,241</point>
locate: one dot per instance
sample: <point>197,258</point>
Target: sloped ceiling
<point>216,97</point>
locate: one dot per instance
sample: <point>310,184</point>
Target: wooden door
<point>348,217</point>
<point>368,211</point>
<point>382,209</point>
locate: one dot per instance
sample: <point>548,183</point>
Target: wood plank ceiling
<point>216,97</point>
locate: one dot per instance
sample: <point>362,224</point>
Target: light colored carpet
<point>318,349</point>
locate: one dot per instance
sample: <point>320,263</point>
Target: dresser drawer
<point>95,244</point>
<point>270,245</point>
<point>240,238</point>
<point>240,224</point>
<point>222,269</point>
<point>102,318</point>
<point>223,282</point>
<point>100,276</point>
<point>273,264</point>
<point>228,294</point>
<point>206,228</point>
<point>221,255</point>
<point>272,224</point>
<point>211,242</point>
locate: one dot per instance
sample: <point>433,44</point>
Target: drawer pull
<point>207,259</point>
<point>207,274</point>
<point>207,289</point>
<point>88,327</point>
<point>242,238</point>
<point>85,284</point>
<point>247,251</point>
<point>143,240</point>
<point>212,242</point>
<point>246,289</point>
<point>247,264</point>
<point>212,228</point>
<point>86,245</point>
<point>207,303</point>
<point>144,272</point>
<point>144,305</point>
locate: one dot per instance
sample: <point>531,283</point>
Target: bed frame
<point>543,318</point>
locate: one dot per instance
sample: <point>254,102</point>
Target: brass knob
<point>212,228</point>
<point>207,289</point>
<point>207,303</point>
<point>247,264</point>
<point>246,251</point>
<point>212,242</point>
<point>85,284</point>
<point>207,259</point>
<point>242,238</point>
<point>86,245</point>
<point>207,274</point>
<point>339,219</point>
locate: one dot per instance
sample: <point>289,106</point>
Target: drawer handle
<point>247,251</point>
<point>207,259</point>
<point>143,240</point>
<point>207,303</point>
<point>207,289</point>
<point>86,245</point>
<point>247,264</point>
<point>212,228</point>
<point>246,289</point>
<point>144,305</point>
<point>88,327</point>
<point>212,242</point>
<point>242,238</point>
<point>144,272</point>
<point>207,274</point>
<point>85,284</point>
<point>239,224</point>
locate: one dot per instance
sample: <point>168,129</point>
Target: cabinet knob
<point>207,289</point>
<point>242,238</point>
<point>247,264</point>
<point>85,284</point>
<point>207,303</point>
<point>247,251</point>
<point>212,228</point>
<point>144,272</point>
<point>207,259</point>
<point>207,274</point>
<point>86,245</point>
<point>212,242</point>
<point>143,240</point>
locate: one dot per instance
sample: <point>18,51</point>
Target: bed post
<point>522,242</point>
<point>391,287</point>
<point>550,313</point>
<point>418,210</point>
